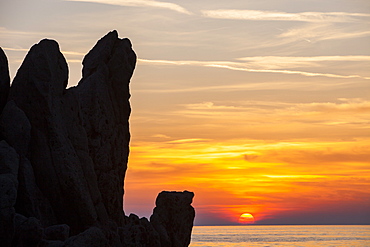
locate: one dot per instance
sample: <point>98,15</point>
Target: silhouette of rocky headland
<point>64,153</point>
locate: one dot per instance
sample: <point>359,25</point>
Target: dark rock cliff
<point>4,79</point>
<point>64,154</point>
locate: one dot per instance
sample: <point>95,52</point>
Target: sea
<point>282,235</point>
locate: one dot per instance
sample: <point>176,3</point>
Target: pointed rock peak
<point>44,70</point>
<point>104,50</point>
<point>48,44</point>
<point>68,160</point>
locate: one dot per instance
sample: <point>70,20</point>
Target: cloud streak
<point>344,106</point>
<point>319,32</point>
<point>258,15</point>
<point>74,53</point>
<point>246,67</point>
<point>294,62</point>
<point>140,3</point>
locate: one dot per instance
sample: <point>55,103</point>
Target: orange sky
<point>268,178</point>
<point>258,107</point>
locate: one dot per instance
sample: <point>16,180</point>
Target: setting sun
<point>257,107</point>
<point>246,218</point>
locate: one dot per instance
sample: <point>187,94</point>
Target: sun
<point>246,218</point>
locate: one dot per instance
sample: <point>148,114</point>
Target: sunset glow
<point>259,107</point>
<point>246,218</point>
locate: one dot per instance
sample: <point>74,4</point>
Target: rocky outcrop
<point>64,155</point>
<point>4,79</point>
<point>104,100</point>
<point>138,232</point>
<point>9,161</point>
<point>173,218</point>
<point>39,89</point>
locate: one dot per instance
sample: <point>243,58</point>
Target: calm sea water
<point>287,236</point>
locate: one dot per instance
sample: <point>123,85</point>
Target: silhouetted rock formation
<point>4,79</point>
<point>64,155</point>
<point>173,218</point>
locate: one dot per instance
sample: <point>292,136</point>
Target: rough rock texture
<point>104,100</point>
<point>8,192</point>
<point>139,232</point>
<point>39,89</point>
<point>173,218</point>
<point>64,154</point>
<point>57,232</point>
<point>28,232</point>
<point>4,79</point>
<point>14,126</point>
<point>93,237</point>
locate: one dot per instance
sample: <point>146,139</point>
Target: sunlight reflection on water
<point>288,236</point>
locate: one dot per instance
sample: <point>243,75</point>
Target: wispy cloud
<point>319,32</point>
<point>140,3</point>
<point>191,140</point>
<point>289,72</point>
<point>235,87</point>
<point>245,66</point>
<point>73,53</point>
<point>14,49</point>
<point>343,119</point>
<point>344,105</point>
<point>277,62</point>
<point>161,136</point>
<point>258,15</point>
<point>349,114</point>
<point>280,59</point>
